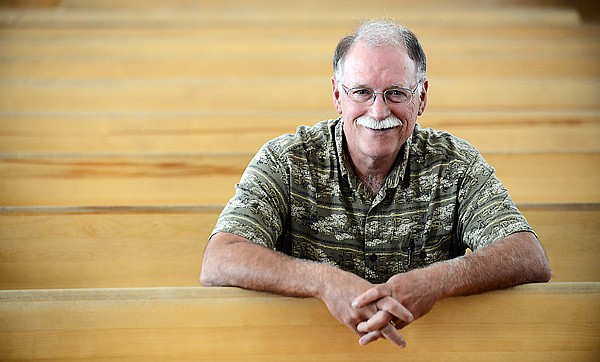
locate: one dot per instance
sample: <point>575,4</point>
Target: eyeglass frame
<point>385,99</point>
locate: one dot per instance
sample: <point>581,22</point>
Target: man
<point>369,212</point>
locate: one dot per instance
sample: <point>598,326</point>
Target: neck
<point>373,172</point>
<point>373,184</point>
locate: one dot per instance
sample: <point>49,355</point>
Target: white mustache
<point>372,123</point>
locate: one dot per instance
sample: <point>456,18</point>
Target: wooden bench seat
<point>200,179</point>
<point>163,246</point>
<point>556,321</point>
<point>223,132</point>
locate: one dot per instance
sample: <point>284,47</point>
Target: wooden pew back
<point>163,246</point>
<point>232,324</point>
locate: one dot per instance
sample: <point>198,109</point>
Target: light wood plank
<point>292,30</point>
<point>299,45</point>
<point>210,179</point>
<point>521,323</point>
<point>266,12</point>
<point>103,248</point>
<point>297,94</point>
<point>571,238</point>
<point>127,68</point>
<point>162,246</point>
<point>490,132</point>
<point>549,178</point>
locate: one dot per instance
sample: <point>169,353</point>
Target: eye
<point>397,95</point>
<point>361,95</point>
<point>362,92</point>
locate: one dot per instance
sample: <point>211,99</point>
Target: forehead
<point>378,66</point>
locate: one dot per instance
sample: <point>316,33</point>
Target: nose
<point>379,110</point>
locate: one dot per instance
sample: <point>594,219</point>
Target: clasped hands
<point>387,316</point>
<point>379,311</point>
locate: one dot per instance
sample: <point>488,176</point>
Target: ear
<point>423,97</point>
<point>335,90</point>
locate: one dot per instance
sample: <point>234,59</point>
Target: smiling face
<point>379,69</point>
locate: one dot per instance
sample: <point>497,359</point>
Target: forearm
<point>515,260</point>
<point>230,260</point>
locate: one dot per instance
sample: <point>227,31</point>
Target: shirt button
<point>373,257</point>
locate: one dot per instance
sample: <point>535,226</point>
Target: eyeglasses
<point>367,96</point>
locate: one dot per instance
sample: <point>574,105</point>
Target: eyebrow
<point>393,86</point>
<point>399,86</point>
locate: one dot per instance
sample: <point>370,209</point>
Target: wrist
<point>429,282</point>
<point>321,281</point>
<point>444,277</point>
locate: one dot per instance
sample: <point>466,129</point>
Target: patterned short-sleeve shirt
<point>300,196</point>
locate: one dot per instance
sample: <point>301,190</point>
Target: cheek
<point>408,115</point>
<point>351,111</point>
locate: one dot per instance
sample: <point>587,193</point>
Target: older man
<point>369,212</point>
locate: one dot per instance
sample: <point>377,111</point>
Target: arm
<point>517,259</point>
<point>230,260</point>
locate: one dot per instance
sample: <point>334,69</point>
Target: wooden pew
<point>209,179</point>
<point>556,321</point>
<point>214,132</point>
<point>163,246</point>
<point>106,53</point>
<point>295,43</point>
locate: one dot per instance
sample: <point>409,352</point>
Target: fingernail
<point>355,304</point>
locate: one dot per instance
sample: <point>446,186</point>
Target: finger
<point>389,332</point>
<point>371,296</point>
<point>395,308</point>
<point>369,337</point>
<point>392,335</point>
<point>378,321</point>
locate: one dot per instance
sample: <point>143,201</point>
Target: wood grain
<point>163,246</point>
<point>125,124</point>
<point>283,95</point>
<point>202,179</point>
<point>221,323</point>
<point>226,132</point>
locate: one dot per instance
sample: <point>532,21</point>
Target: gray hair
<point>378,33</point>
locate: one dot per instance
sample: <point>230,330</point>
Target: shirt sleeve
<point>486,211</point>
<point>259,207</point>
